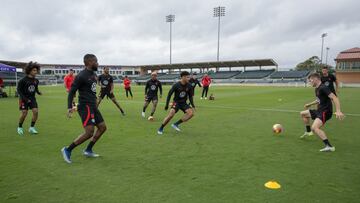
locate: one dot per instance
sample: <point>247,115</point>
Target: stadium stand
<point>289,74</point>
<point>171,76</point>
<point>224,74</point>
<point>254,74</point>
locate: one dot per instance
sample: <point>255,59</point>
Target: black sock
<point>327,143</point>
<point>20,125</point>
<point>90,146</point>
<point>178,122</point>
<point>122,111</point>
<point>71,146</point>
<point>152,113</point>
<point>32,124</point>
<point>308,129</point>
<point>144,109</point>
<point>162,126</point>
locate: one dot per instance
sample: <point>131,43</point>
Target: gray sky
<point>134,32</point>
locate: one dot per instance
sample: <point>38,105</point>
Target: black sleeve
<point>111,80</point>
<point>334,78</point>
<point>191,99</point>
<point>146,87</point>
<point>74,87</point>
<point>198,82</point>
<point>37,87</point>
<point>171,91</point>
<point>160,88</point>
<point>20,90</point>
<point>98,80</point>
<point>326,91</point>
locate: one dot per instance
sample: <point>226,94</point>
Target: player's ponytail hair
<point>30,66</point>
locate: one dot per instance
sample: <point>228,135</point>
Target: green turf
<point>225,154</point>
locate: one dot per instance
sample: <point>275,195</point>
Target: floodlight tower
<point>170,19</point>
<point>218,13</point>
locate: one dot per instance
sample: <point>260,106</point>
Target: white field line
<point>246,108</point>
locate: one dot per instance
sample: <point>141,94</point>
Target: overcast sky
<point>134,32</point>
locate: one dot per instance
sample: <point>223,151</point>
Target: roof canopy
<point>219,64</point>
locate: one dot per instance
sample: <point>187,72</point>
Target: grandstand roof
<point>353,53</point>
<point>220,64</point>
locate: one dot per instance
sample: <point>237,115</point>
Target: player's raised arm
<point>171,91</point>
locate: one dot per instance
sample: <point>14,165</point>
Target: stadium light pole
<point>326,58</point>
<point>218,13</point>
<point>322,47</point>
<point>170,19</point>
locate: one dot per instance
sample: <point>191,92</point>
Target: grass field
<point>224,154</point>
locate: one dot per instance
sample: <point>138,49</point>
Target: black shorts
<point>89,114</point>
<point>182,106</point>
<point>24,105</point>
<point>150,98</point>
<point>107,93</point>
<point>322,115</point>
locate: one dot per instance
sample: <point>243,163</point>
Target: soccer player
<point>206,81</point>
<point>107,89</point>
<point>127,87</point>
<point>182,91</point>
<point>85,83</point>
<point>151,94</point>
<point>26,89</point>
<point>68,80</point>
<point>194,81</point>
<point>323,113</point>
<point>328,79</point>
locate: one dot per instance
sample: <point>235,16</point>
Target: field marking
<point>245,108</point>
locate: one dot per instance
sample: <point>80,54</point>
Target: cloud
<point>135,32</point>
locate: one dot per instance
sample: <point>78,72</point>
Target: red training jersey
<point>68,80</point>
<point>127,83</point>
<point>206,81</point>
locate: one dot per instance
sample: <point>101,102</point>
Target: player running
<point>106,82</point>
<point>206,81</point>
<point>127,83</point>
<point>323,113</point>
<point>194,81</point>
<point>151,94</point>
<point>26,89</point>
<point>182,91</point>
<point>85,83</point>
<point>328,79</point>
<point>68,80</point>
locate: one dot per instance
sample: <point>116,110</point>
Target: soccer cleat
<point>66,155</point>
<point>201,98</point>
<point>151,118</point>
<point>20,131</point>
<point>123,113</point>
<point>32,130</point>
<point>90,154</point>
<point>205,98</point>
<point>143,114</point>
<point>175,127</point>
<point>160,131</point>
<point>328,149</point>
<point>306,134</point>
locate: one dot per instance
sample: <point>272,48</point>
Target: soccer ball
<point>151,118</point>
<point>277,128</point>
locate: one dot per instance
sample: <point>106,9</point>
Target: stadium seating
<point>224,74</point>
<point>169,76</point>
<point>289,74</point>
<point>256,74</point>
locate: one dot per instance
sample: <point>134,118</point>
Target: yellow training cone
<point>272,185</point>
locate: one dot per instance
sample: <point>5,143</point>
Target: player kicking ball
<point>182,91</point>
<point>106,82</point>
<point>324,99</point>
<point>85,83</point>
<point>151,95</point>
<point>26,89</point>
